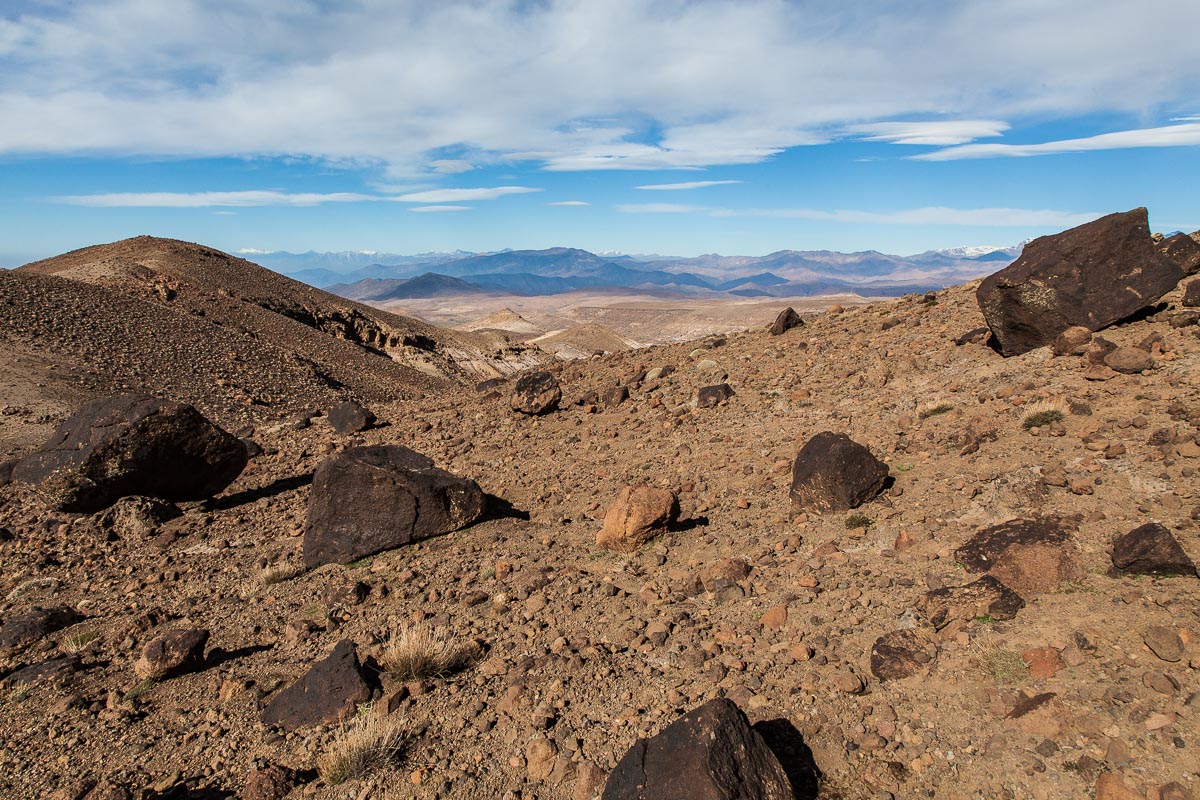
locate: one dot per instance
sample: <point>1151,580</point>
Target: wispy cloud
<point>459,195</point>
<point>245,199</point>
<point>439,209</point>
<point>932,215</point>
<point>667,187</point>
<point>729,81</point>
<point>1186,135</point>
<point>945,132</point>
<point>569,203</point>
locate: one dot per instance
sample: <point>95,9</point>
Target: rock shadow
<point>498,508</point>
<point>689,524</point>
<point>219,655</point>
<point>794,755</point>
<point>245,496</point>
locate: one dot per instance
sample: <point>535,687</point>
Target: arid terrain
<point>570,652</point>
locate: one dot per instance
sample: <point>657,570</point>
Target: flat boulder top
<point>1094,275</point>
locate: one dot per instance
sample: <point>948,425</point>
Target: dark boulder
<point>1150,550</point>
<point>132,445</point>
<point>53,670</point>
<point>711,396</point>
<point>1030,556</point>
<point>710,753</point>
<point>22,629</point>
<point>368,499</point>
<point>832,472</point>
<point>615,396</point>
<point>172,653</point>
<point>536,393</point>
<point>1191,294</point>
<point>902,654</point>
<point>331,690</point>
<point>1183,250</point>
<point>787,319</point>
<point>1093,275</point>
<point>350,417</point>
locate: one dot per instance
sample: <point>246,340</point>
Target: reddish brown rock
<point>710,753</point>
<point>711,396</point>
<point>834,473</point>
<point>1191,294</point>
<point>1031,556</point>
<point>1150,549</point>
<point>172,653</point>
<point>639,513</point>
<point>19,630</point>
<point>368,499</point>
<point>268,783</point>
<point>1093,275</point>
<point>350,417</point>
<point>902,654</point>
<point>987,598</point>
<point>331,690</point>
<point>536,394</point>
<point>1183,250</point>
<point>726,572</point>
<point>787,319</point>
<point>1129,360</point>
<point>1044,662</point>
<point>1073,341</point>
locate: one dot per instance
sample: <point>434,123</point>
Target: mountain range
<point>380,277</point>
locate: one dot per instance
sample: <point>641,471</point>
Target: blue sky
<point>676,127</point>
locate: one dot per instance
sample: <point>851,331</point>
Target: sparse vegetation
<point>1006,667</point>
<point>933,409</point>
<point>857,521</point>
<point>367,745</point>
<point>75,642</point>
<point>420,651</point>
<point>278,573</point>
<point>1039,415</point>
<point>138,690</point>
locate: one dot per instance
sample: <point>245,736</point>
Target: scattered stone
<point>539,758</point>
<point>723,574</point>
<point>1164,642</point>
<point>1129,360</point>
<point>535,394</point>
<point>639,513</point>
<point>53,669</point>
<point>707,754</point>
<point>273,782</point>
<point>1073,341</point>
<point>659,372</point>
<point>787,319</point>
<point>1093,275</point>
<point>331,690</point>
<point>1111,786</point>
<point>1183,250</point>
<point>22,629</point>
<point>847,682</point>
<point>132,445</point>
<point>1150,549</point>
<point>902,654</point>
<point>138,517</point>
<point>615,396</point>
<point>1191,295</point>
<point>173,653</point>
<point>1031,556</point>
<point>350,417</point>
<point>711,396</point>
<point>834,473</point>
<point>1044,662</point>
<point>368,499</point>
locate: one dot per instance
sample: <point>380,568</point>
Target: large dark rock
<point>710,753</point>
<point>832,472</point>
<point>350,417</point>
<point>1030,556</point>
<point>787,319</point>
<point>986,597</point>
<point>331,690</point>
<point>1093,275</point>
<point>1183,250</point>
<point>132,445</point>
<point>368,499</point>
<point>172,653</point>
<point>712,396</point>
<point>1191,294</point>
<point>536,393</point>
<point>1150,549</point>
<point>22,629</point>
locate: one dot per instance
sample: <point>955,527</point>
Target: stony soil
<point>583,650</point>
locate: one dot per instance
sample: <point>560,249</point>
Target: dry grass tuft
<point>74,643</point>
<point>369,744</point>
<point>278,573</point>
<point>1006,667</point>
<point>933,409</point>
<point>1042,413</point>
<point>419,651</point>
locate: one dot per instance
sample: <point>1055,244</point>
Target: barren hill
<point>877,653</point>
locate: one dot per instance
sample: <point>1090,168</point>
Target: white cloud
<point>625,84</point>
<point>569,203</point>
<point>1166,136</point>
<point>942,133</point>
<point>245,199</point>
<point>933,215</point>
<point>451,166</point>
<point>458,195</point>
<point>439,209</point>
<point>664,187</point>
<point>252,251</point>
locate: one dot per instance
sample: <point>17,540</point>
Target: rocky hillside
<point>917,567</point>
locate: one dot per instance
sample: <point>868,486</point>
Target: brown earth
<point>583,650</point>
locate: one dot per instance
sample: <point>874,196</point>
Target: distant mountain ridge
<point>379,277</point>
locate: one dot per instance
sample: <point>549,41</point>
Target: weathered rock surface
<point>172,653</point>
<point>712,396</point>
<point>350,417</point>
<point>22,629</point>
<point>138,517</point>
<point>272,782</point>
<point>834,473</point>
<point>1093,275</point>
<point>986,597</point>
<point>132,445</point>
<point>1073,341</point>
<point>368,499</point>
<point>638,514</point>
<point>902,654</point>
<point>1183,250</point>
<point>1191,294</point>
<point>331,690</point>
<point>787,319</point>
<point>710,753</point>
<point>535,394</point>
<point>1031,556</point>
<point>1129,360</point>
<point>1150,549</point>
